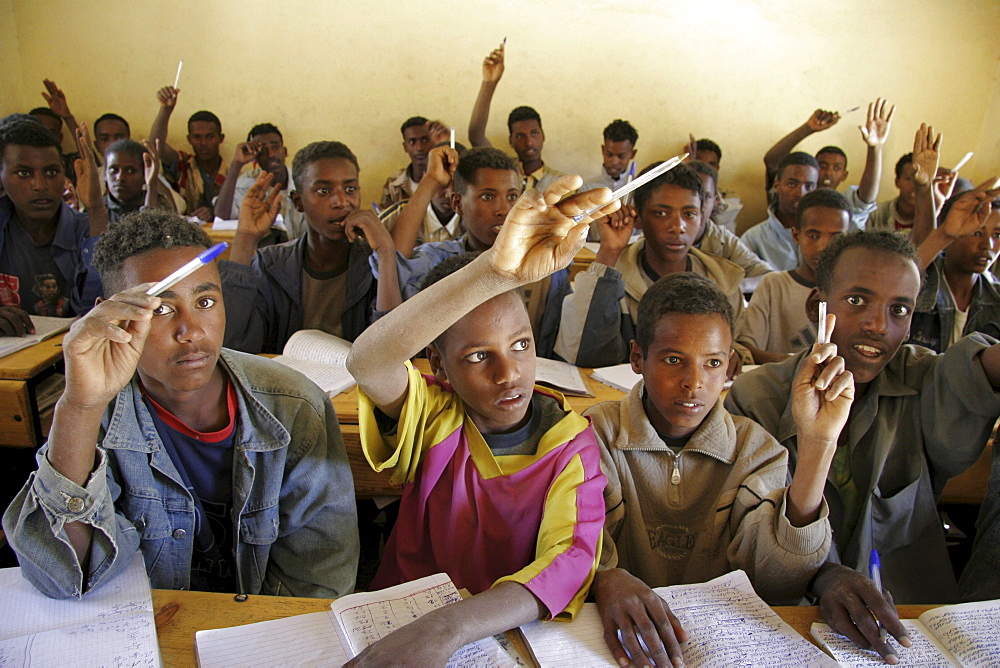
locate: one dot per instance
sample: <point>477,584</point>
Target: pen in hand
<point>194,265</point>
<point>875,572</point>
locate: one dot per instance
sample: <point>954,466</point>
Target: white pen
<point>194,265</point>
<point>631,176</point>
<point>662,168</point>
<point>177,79</point>
<point>453,136</point>
<point>961,163</point>
<point>821,336</point>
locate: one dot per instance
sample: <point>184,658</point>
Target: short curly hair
<point>474,159</point>
<point>882,241</point>
<point>316,151</point>
<point>137,233</point>
<point>681,176</point>
<point>683,292</point>
<point>621,130</point>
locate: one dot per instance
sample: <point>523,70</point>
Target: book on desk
<point>45,327</point>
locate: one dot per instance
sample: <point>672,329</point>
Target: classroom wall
<point>743,72</point>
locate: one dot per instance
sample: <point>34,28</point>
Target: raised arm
<point>89,183</point>
<point>245,153</point>
<point>259,209</point>
<point>56,100</point>
<point>966,216</point>
<point>366,224</point>
<point>875,131</point>
<point>492,71</point>
<point>167,97</point>
<point>151,170</point>
<point>926,154</point>
<point>441,164</point>
<point>819,121</point>
<point>537,238</point>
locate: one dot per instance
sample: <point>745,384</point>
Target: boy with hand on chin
<point>694,492</point>
<point>502,481</point>
<point>918,419</point>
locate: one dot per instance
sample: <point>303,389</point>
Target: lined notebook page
<point>570,645</point>
<point>112,626</point>
<point>969,630</point>
<point>926,651</point>
<point>303,640</point>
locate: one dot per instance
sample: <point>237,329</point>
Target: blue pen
<point>375,206</point>
<point>875,572</point>
<point>194,265</point>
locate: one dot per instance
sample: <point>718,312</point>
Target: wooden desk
<point>220,235</point>
<point>346,403</point>
<point>179,614</point>
<point>21,423</point>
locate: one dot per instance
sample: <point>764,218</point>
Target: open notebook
<point>45,326</point>
<point>967,634</point>
<point>332,638</point>
<point>110,626</point>
<point>320,357</point>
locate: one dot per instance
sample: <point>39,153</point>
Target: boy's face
<point>205,138</point>
<point>272,153</point>
<point>417,144</point>
<point>872,293</point>
<point>794,183</point>
<point>330,191</point>
<point>671,221</point>
<point>684,370</point>
<point>185,336</point>
<point>977,252</point>
<point>441,200</point>
<point>818,227</point>
<point>906,185</point>
<point>126,176</point>
<point>710,201</point>
<point>485,204</point>
<point>617,155</point>
<point>832,169</point>
<point>49,289</point>
<point>708,157</point>
<point>107,133</point>
<point>527,139</point>
<point>33,178</point>
<point>488,356</point>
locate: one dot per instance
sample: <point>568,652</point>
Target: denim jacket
<point>293,498</point>
<point>934,315</point>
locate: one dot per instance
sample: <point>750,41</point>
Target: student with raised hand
<point>265,148</point>
<point>417,143</point>
<point>771,239</point>
<point>428,216</point>
<point>196,176</point>
<point>918,419</point>
<point>39,234</point>
<point>54,117</point>
<point>777,323</point>
<point>693,492</point>
<point>504,480</point>
<point>598,318</point>
<point>320,280</point>
<point>226,471</point>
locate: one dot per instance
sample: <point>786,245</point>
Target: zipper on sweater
<point>675,480</point>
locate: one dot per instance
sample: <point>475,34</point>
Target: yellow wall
<point>741,72</point>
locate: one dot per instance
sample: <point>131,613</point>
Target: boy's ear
<point>795,235</point>
<point>635,356</point>
<point>456,203</point>
<point>812,304</point>
<point>297,201</point>
<point>434,359</point>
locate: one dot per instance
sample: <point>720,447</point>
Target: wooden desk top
<point>346,403</point>
<point>180,613</point>
<point>28,363</point>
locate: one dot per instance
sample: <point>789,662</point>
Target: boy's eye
<point>854,300</point>
<point>486,197</point>
<point>163,309</point>
<point>899,310</point>
<point>672,359</point>
<point>23,173</point>
<point>206,302</point>
<point>714,364</point>
<point>512,197</point>
<point>476,357</point>
<point>350,189</point>
<point>323,191</point>
<point>521,345</point>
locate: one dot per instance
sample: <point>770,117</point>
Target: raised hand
<point>438,132</point>
<point>260,207</point>
<point>632,610</point>
<point>168,96</point>
<point>540,235</point>
<point>441,164</point>
<point>969,212</point>
<point>493,66</point>
<point>246,152</point>
<point>876,128</point>
<point>691,149</point>
<point>56,99</point>
<point>822,392</point>
<point>926,153</point>
<point>822,119</point>
<point>365,223</point>
<point>615,233</point>
<point>151,163</point>
<point>88,180</point>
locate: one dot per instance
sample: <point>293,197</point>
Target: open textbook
<point>111,626</point>
<point>967,634</point>
<point>333,638</point>
<point>45,326</point>
<point>727,623</point>
<point>320,357</point>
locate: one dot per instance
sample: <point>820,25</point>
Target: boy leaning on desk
<point>226,470</point>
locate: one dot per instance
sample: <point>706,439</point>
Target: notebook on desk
<point>320,357</point>
<point>45,327</point>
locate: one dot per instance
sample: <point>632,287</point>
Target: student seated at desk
<point>227,471</point>
<point>320,280</point>
<point>694,492</point>
<point>918,419</point>
<point>776,323</point>
<point>771,239</point>
<point>598,318</point>
<point>502,480</point>
<point>131,172</point>
<point>41,238</point>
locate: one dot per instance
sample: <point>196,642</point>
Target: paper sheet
<point>302,640</point>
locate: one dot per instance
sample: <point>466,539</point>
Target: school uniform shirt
<point>718,240</point>
<point>484,518</point>
<point>936,320</point>
<point>885,217</point>
<point>540,178</point>
<point>399,186</point>
<point>924,419</point>
<point>776,319</point>
<point>773,243</point>
<point>186,178</point>
<point>717,505</point>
